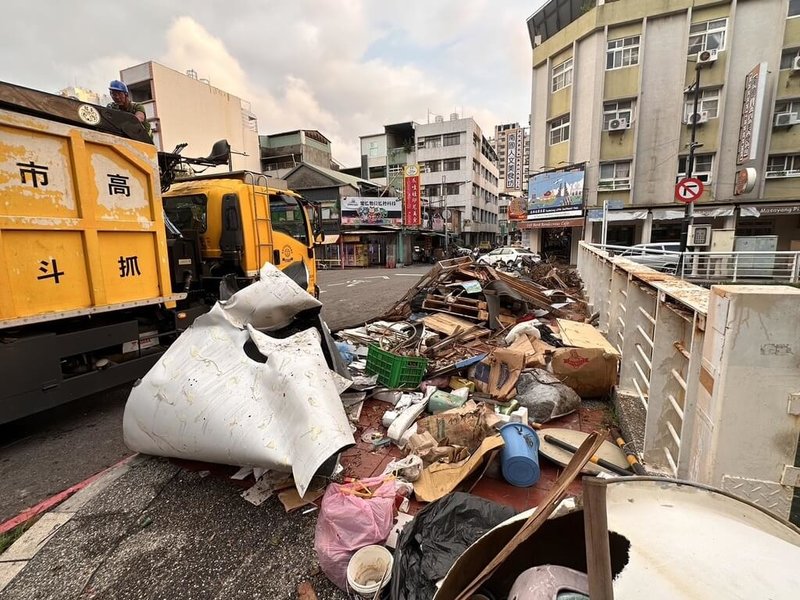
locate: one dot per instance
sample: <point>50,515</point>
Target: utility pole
<point>688,215</point>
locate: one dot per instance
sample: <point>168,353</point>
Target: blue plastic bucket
<point>520,457</point>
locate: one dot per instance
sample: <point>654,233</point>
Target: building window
<point>707,36</point>
<point>452,164</point>
<point>787,58</point>
<point>373,148</point>
<point>452,189</point>
<point>452,139</point>
<point>562,75</point>
<point>432,166</point>
<point>788,106</point>
<point>794,8</point>
<point>783,166</point>
<point>431,190</point>
<point>433,141</point>
<point>615,176</point>
<point>623,52</point>
<point>617,110</point>
<point>708,102</point>
<point>559,130</point>
<point>703,166</point>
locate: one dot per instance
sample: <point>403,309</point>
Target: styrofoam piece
<point>206,399</point>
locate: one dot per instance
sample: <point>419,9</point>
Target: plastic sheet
<point>437,536</point>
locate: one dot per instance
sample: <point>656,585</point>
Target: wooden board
<point>583,335</point>
<point>450,324</point>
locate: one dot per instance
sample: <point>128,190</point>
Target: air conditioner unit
<point>697,118</point>
<point>707,57</point>
<point>796,64</point>
<point>618,125</point>
<point>700,235</point>
<point>786,119</point>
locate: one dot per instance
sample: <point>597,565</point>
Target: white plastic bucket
<point>366,569</point>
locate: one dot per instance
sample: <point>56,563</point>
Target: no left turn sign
<point>688,190</point>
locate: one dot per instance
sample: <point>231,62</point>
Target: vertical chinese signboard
<point>515,148</point>
<point>412,211</point>
<point>752,107</point>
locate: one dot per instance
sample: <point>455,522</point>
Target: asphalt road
<point>47,453</point>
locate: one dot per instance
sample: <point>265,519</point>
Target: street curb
<point>64,506</point>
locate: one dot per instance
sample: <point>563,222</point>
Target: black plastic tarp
<point>437,536</point>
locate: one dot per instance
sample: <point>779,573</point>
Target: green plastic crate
<point>395,371</point>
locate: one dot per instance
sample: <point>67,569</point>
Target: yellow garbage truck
<point>109,249</point>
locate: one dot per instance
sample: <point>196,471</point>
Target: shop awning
<point>596,214</point>
<point>330,238</point>
<point>769,210</point>
<point>670,214</point>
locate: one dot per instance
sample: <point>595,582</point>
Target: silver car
<point>661,256</point>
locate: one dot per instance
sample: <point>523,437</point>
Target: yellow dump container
<point>81,222</point>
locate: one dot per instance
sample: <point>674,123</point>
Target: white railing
<point>715,267</point>
<point>708,372</point>
<point>746,267</point>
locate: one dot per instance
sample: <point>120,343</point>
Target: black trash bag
<point>438,535</point>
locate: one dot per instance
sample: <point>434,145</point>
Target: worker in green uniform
<point>122,101</point>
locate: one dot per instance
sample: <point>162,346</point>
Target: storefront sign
<point>385,210</point>
<point>551,224</point>
<point>771,210</point>
<point>518,209</point>
<point>745,181</point>
<point>515,150</point>
<point>556,194</point>
<point>411,197</point>
<point>752,107</point>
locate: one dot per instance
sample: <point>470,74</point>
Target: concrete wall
<point>191,111</point>
<point>658,123</point>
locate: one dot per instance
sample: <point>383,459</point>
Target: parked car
<point>661,256</point>
<point>508,255</point>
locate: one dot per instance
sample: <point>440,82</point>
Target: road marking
<point>333,284</point>
<point>409,274</point>
<point>378,277</point>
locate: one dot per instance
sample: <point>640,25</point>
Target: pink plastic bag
<point>348,522</point>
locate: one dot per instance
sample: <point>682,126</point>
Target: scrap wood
<point>533,295</point>
<point>291,500</point>
<point>449,324</point>
<point>542,513</point>
<point>438,274</point>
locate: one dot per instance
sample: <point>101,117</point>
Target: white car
<point>508,255</point>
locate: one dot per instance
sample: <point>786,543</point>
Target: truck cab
<point>242,220</point>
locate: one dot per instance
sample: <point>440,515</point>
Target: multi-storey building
<point>613,101</point>
<point>512,146</point>
<point>184,109</point>
<point>282,152</point>
<point>458,173</point>
<point>86,95</point>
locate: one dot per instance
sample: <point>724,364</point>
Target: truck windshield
<point>288,216</point>
<point>188,213</point>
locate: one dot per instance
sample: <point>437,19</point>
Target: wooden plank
<point>444,323</point>
<point>598,552</point>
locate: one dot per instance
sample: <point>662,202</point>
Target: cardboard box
<point>590,365</point>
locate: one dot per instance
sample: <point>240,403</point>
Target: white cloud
<point>346,68</point>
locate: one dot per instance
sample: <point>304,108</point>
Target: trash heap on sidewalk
<point>394,423</point>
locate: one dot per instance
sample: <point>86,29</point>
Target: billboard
<point>358,210</point>
<point>555,194</point>
<point>515,159</point>
<point>411,196</point>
